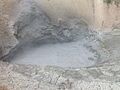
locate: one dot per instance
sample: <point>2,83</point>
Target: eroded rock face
<point>7,39</point>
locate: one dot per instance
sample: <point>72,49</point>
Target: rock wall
<point>106,15</point>
<point>95,12</point>
<point>7,40</point>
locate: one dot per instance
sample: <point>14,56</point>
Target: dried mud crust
<point>29,77</point>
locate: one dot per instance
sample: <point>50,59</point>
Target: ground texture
<point>29,77</point>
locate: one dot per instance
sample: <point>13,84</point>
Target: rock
<point>7,39</point>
